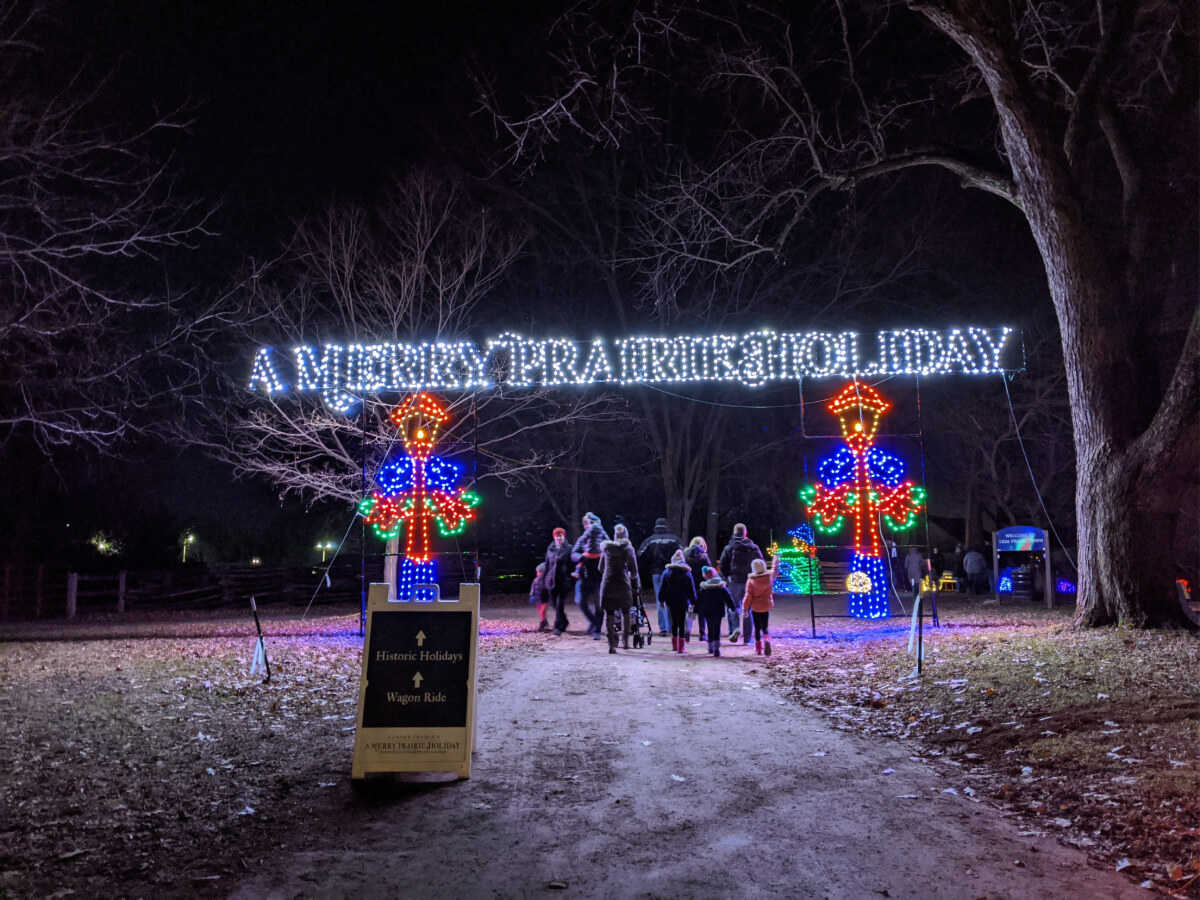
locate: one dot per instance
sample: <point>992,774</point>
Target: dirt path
<point>649,775</point>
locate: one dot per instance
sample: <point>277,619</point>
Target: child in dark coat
<point>711,603</point>
<point>678,591</point>
<point>539,595</point>
<point>696,556</point>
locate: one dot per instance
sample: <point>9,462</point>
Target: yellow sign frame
<point>397,747</point>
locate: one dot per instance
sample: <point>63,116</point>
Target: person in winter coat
<point>696,555</point>
<point>653,556</point>
<point>712,602</point>
<point>618,581</point>
<point>736,560</point>
<point>975,567</point>
<point>558,577</point>
<point>539,595</point>
<point>914,568</point>
<point>678,592</point>
<point>586,551</point>
<point>758,602</point>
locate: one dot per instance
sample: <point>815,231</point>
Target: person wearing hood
<point>618,581</point>
<point>558,577</point>
<point>712,602</point>
<point>653,556</point>
<point>678,592</point>
<point>540,595</point>
<point>758,602</point>
<point>736,560</point>
<point>696,555</point>
<point>586,552</point>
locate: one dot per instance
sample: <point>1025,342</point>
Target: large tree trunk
<point>1123,446</point>
<point>1125,570</point>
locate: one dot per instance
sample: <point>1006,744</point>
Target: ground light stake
<point>260,648</point>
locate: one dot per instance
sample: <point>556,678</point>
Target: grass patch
<point>1091,736</point>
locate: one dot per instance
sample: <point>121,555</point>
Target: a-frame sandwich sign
<point>416,700</point>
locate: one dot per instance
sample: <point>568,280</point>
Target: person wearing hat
<point>736,560</point>
<point>653,556</point>
<point>758,602</point>
<point>678,592</point>
<point>558,577</point>
<point>586,551</point>
<point>618,580</point>
<point>712,600</point>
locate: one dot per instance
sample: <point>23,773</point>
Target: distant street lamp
<point>325,548</point>
<point>187,539</point>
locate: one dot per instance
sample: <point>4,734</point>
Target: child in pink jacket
<point>758,602</point>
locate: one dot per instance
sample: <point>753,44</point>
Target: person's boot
<point>674,644</point>
<point>766,645</point>
<point>543,625</point>
<point>758,647</point>
<point>681,645</point>
<point>717,648</point>
<point>710,648</point>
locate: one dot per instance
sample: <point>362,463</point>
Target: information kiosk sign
<point>416,700</point>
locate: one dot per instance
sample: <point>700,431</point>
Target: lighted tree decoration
<point>861,481</point>
<point>416,489</point>
<point>797,569</point>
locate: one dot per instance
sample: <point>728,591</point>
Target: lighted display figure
<point>416,489</point>
<point>861,481</point>
<point>797,570</point>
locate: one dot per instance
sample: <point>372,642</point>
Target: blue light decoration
<point>797,570</point>
<point>418,488</point>
<point>1005,584</point>
<point>863,482</point>
<point>1065,586</point>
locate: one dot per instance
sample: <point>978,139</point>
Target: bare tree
<point>87,348</point>
<point>1079,116</point>
<point>1014,463</point>
<point>601,199</point>
<point>417,267</point>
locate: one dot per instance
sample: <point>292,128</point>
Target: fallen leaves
<point>177,753</point>
<point>991,679</point>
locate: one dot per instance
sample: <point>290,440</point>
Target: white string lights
<point>344,372</point>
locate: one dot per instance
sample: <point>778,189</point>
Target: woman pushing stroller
<point>618,581</point>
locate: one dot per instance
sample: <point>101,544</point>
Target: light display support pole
<point>362,542</point>
<point>812,603</point>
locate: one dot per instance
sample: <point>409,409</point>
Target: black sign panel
<point>417,669</point>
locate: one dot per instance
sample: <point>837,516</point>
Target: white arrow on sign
<point>417,679</point>
<point>420,639</point>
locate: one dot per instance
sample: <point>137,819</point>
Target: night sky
<point>294,105</point>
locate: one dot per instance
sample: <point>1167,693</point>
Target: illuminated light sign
<point>344,373</point>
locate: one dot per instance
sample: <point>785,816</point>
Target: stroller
<point>642,632</point>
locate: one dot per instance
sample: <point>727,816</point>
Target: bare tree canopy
<point>425,263</point>
<point>88,348</point>
<point>1080,116</point>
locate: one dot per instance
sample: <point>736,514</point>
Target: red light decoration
<point>418,488</point>
<point>863,482</point>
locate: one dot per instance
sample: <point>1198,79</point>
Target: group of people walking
<point>604,575</point>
